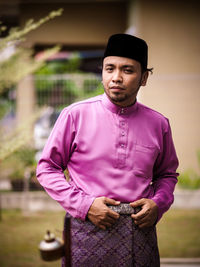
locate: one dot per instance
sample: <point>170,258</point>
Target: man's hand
<point>100,214</point>
<point>148,214</point>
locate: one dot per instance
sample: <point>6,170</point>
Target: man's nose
<point>117,77</point>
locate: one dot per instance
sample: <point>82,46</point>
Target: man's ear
<point>145,76</point>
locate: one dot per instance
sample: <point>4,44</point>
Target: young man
<point>122,165</point>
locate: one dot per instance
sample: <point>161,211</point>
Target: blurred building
<point>171,29</point>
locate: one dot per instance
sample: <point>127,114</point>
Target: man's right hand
<point>100,214</point>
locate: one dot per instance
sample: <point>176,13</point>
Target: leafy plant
<point>18,34</point>
<point>60,67</point>
<point>189,179</point>
<point>19,64</point>
<point>14,166</point>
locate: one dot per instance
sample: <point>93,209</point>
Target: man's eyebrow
<point>123,66</point>
<point>109,64</point>
<point>128,66</point>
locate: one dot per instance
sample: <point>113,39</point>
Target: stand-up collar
<point>117,109</point>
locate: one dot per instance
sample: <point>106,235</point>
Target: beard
<point>118,97</point>
<point>124,97</point>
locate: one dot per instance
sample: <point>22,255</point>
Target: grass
<point>178,236</point>
<point>21,235</point>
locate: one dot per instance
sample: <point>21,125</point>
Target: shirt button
<point>122,145</point>
<point>123,111</point>
<point>122,133</point>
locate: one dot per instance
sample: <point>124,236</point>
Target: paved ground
<point>180,265</point>
<point>179,262</point>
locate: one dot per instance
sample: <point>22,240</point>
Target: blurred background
<point>50,57</point>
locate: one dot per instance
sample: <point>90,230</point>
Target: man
<point>121,161</point>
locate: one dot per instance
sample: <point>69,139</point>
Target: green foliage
<point>189,179</point>
<point>13,69</point>
<point>93,88</point>
<point>5,106</point>
<point>60,67</point>
<point>20,136</point>
<point>50,82</point>
<point>53,79</point>
<point>60,90</point>
<point>26,155</point>
<point>21,63</point>
<point>14,166</point>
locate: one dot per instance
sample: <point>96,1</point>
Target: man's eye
<point>128,71</point>
<point>109,69</point>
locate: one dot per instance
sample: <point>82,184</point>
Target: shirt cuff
<point>160,213</point>
<point>163,206</point>
<point>85,206</point>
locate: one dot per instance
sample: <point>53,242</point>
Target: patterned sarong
<point>123,245</point>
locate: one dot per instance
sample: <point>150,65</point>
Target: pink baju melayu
<point>121,153</point>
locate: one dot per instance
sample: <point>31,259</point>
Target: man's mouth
<point>116,88</point>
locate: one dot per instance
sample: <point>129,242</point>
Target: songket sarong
<point>124,244</point>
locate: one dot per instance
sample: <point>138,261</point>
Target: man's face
<point>122,78</point>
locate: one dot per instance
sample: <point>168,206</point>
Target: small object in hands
<point>51,248</point>
<point>124,208</point>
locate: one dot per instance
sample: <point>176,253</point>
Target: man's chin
<point>117,98</point>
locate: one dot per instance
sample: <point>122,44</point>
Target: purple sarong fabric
<point>123,245</point>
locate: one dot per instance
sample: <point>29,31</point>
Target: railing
<point>61,90</point>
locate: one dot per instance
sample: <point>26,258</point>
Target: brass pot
<point>51,248</point>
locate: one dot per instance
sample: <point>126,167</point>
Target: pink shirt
<point>121,153</point>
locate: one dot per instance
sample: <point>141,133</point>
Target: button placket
<point>123,111</point>
<point>122,141</point>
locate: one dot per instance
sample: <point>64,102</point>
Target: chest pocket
<point>143,160</point>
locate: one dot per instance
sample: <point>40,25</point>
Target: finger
<point>138,203</point>
<point>109,219</point>
<point>105,225</point>
<point>112,214</point>
<point>141,214</point>
<point>141,221</point>
<point>111,201</point>
<point>143,225</point>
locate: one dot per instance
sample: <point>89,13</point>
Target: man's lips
<point>117,88</point>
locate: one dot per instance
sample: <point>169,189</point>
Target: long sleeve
<point>165,176</point>
<point>54,160</point>
<point>111,152</point>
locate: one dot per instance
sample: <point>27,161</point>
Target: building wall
<point>172,33</point>
<point>171,29</point>
<point>87,24</point>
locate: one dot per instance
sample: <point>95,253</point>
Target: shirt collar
<point>116,109</point>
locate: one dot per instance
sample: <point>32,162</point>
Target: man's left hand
<point>148,214</point>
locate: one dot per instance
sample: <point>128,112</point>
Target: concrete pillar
<point>25,99</point>
<point>133,17</point>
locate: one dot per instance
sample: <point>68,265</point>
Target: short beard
<point>119,98</point>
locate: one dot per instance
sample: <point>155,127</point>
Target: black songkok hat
<point>125,45</point>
